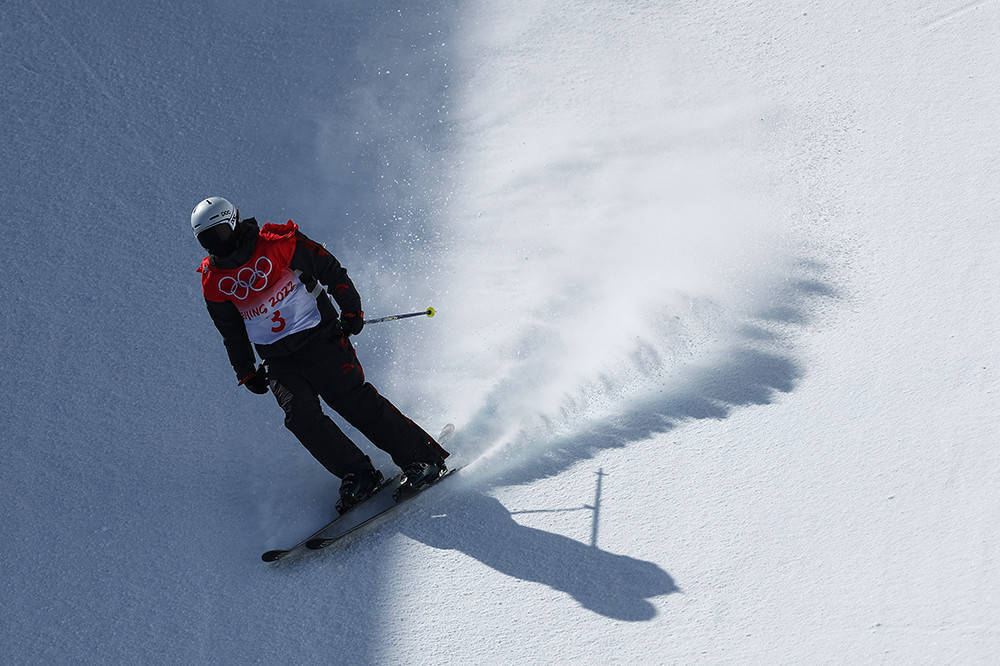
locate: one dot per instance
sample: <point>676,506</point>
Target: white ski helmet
<point>213,211</point>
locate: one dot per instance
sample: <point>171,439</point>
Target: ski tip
<point>273,555</point>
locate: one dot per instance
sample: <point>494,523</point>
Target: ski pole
<point>430,312</point>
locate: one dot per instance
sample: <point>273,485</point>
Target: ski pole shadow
<point>615,586</point>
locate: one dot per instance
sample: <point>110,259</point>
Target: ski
<point>279,553</point>
<point>319,543</point>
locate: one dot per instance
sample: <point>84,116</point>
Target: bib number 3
<point>279,322</point>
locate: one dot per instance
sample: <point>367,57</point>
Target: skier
<point>262,286</point>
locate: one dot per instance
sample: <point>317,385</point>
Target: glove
<point>351,323</point>
<point>256,381</point>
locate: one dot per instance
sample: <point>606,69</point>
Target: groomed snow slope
<point>718,328</point>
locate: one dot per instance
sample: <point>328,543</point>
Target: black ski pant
<point>328,367</point>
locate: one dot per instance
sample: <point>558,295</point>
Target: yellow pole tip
<point>431,312</point>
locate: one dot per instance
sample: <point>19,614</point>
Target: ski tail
<point>446,433</point>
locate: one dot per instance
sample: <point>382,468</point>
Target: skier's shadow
<point>480,526</point>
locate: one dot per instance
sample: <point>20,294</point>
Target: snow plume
<point>607,235</point>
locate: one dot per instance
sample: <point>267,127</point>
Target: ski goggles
<point>220,239</point>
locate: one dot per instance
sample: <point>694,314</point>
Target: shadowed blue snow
<point>137,477</point>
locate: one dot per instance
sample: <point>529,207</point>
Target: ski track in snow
<point>956,13</point>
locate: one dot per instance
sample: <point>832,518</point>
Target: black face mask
<point>219,240</point>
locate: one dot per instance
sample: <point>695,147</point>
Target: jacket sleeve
<point>312,258</point>
<point>227,319</point>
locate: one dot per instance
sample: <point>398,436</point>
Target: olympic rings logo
<point>247,279</point>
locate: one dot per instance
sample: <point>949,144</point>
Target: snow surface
<point>718,319</point>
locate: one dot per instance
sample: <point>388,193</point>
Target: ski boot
<point>356,487</point>
<point>418,475</point>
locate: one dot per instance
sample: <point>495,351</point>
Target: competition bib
<point>271,298</point>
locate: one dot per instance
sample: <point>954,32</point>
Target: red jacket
<point>268,292</point>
